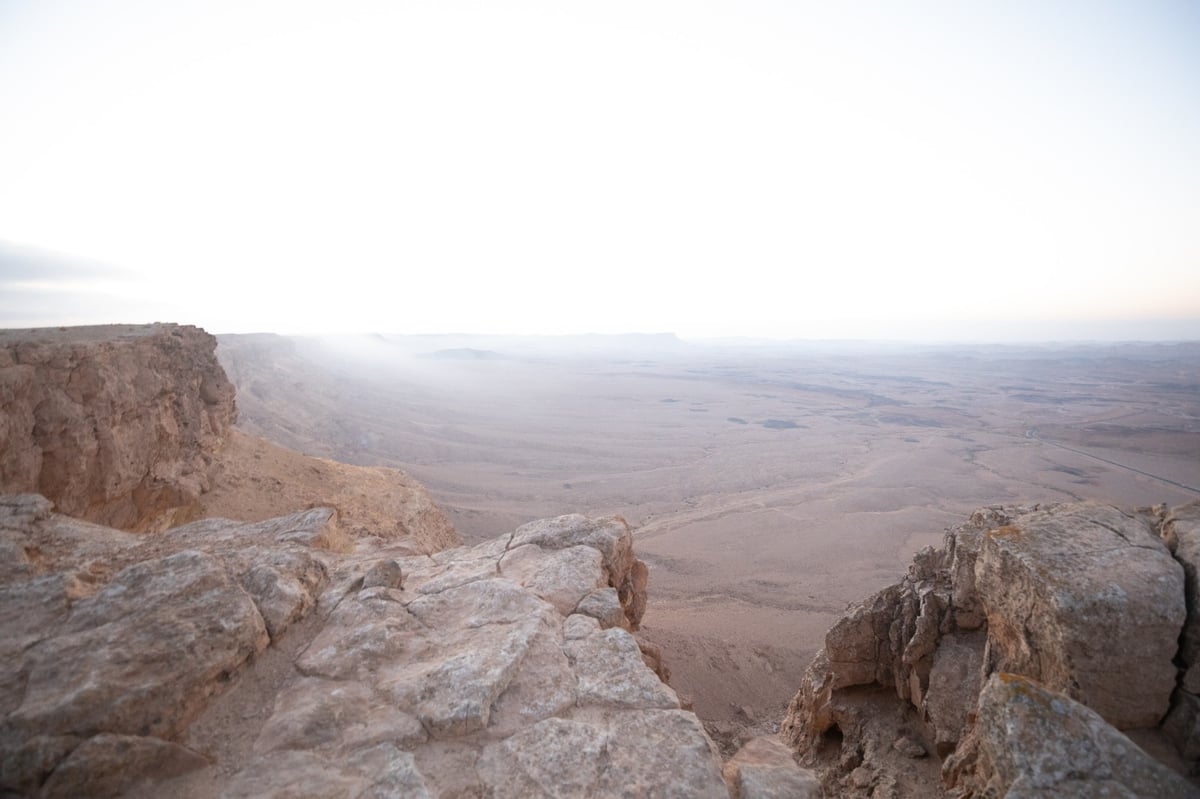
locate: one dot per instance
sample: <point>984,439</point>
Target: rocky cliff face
<point>1006,662</point>
<point>115,424</point>
<point>288,658</point>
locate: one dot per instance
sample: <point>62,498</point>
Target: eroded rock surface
<point>1081,599</point>
<point>115,424</point>
<point>1029,741</point>
<point>288,658</point>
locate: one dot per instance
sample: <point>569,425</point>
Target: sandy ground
<point>768,488</point>
<point>257,480</point>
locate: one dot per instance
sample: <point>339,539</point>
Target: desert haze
<point>768,485</point>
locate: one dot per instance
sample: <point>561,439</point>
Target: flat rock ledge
<point>275,659</point>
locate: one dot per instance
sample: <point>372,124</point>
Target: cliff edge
<point>314,651</point>
<point>116,424</point>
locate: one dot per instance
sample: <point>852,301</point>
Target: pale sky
<point>959,170</point>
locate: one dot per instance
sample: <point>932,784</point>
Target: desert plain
<point>769,484</point>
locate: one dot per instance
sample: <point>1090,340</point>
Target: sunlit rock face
<point>115,424</point>
<point>1082,601</point>
<point>279,658</point>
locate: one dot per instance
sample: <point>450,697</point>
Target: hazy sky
<point>921,169</point>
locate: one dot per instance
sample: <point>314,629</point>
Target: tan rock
<point>562,577</point>
<point>954,683</point>
<point>660,753</point>
<point>1042,591</point>
<point>115,424</point>
<point>142,655</point>
<point>611,672</point>
<point>1061,587</point>
<point>612,538</point>
<point>764,768</point>
<point>1034,742</point>
<point>109,765</point>
<point>314,713</point>
<point>391,691</point>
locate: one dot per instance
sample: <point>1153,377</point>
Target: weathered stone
<point>611,673</point>
<point>314,713</point>
<point>386,573</point>
<point>908,747</point>
<point>856,645</point>
<point>543,686</point>
<point>314,528</point>
<point>662,753</point>
<point>377,773</point>
<point>604,606</point>
<point>142,655</point>
<point>766,769</point>
<point>361,636</point>
<point>390,677</point>
<point>488,628</point>
<point>1034,742</point>
<point>284,586</point>
<point>109,765</point>
<point>579,626</point>
<point>954,684</point>
<point>25,765</point>
<point>1060,587</point>
<point>1083,596</point>
<point>562,577</point>
<point>612,538</point>
<point>114,424</point>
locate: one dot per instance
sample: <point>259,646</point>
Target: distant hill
<point>463,354</point>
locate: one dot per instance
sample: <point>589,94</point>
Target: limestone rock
<point>1034,742</point>
<point>612,538</point>
<point>611,672</point>
<point>658,753</point>
<point>115,424</point>
<point>109,765</point>
<point>459,681</point>
<point>386,573</point>
<point>1084,598</point>
<point>562,577</point>
<point>1087,600</point>
<point>954,683</point>
<point>765,769</point>
<point>142,655</point>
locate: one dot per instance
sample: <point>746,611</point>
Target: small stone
<point>386,573</point>
<point>908,747</point>
<point>861,777</point>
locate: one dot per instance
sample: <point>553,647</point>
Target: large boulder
<point>1083,599</point>
<point>1087,600</point>
<point>1029,741</point>
<point>115,424</point>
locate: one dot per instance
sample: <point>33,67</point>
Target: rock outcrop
<point>1028,741</point>
<point>1082,600</point>
<point>116,424</point>
<point>288,657</point>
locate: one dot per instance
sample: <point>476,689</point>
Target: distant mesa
<point>736,420</point>
<point>779,424</point>
<point>668,399</point>
<point>463,354</point>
